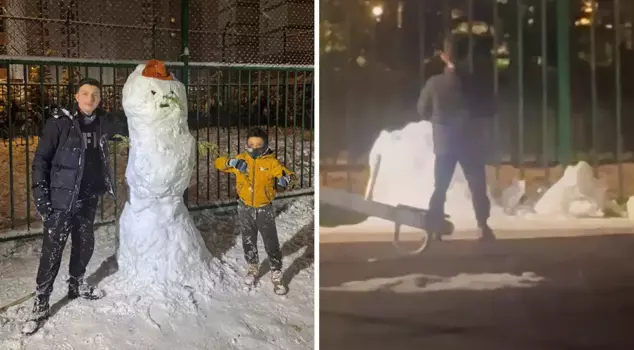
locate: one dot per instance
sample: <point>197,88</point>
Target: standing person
<point>70,171</point>
<point>454,101</point>
<point>258,173</point>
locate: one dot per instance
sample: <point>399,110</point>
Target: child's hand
<point>239,164</point>
<point>284,181</point>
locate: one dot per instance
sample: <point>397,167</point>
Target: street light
<point>377,12</point>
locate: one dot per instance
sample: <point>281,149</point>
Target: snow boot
<point>40,313</point>
<point>278,285</point>
<point>77,287</point>
<point>252,274</point>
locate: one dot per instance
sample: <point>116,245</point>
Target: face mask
<point>256,152</point>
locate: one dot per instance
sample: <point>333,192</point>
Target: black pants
<point>250,221</point>
<point>79,224</point>
<point>475,172</point>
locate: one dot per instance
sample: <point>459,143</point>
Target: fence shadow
<point>220,232</point>
<point>305,237</point>
<point>107,268</point>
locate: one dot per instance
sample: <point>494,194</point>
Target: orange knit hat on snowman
<point>156,69</point>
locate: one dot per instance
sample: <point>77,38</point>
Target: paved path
<point>586,300</point>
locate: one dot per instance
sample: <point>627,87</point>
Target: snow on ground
<point>420,283</point>
<point>232,317</point>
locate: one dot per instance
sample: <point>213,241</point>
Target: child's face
<point>255,146</point>
<point>88,98</point>
<point>255,142</point>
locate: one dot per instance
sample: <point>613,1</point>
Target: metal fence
<point>561,71</point>
<point>224,101</point>
<point>237,31</point>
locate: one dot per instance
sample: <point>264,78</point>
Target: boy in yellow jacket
<point>258,173</point>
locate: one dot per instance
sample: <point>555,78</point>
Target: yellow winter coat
<point>256,188</point>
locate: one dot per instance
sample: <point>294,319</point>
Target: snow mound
<point>402,172</point>
<point>577,193</point>
<point>159,243</point>
<point>402,168</point>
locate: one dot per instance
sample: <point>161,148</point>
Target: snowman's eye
<point>153,92</point>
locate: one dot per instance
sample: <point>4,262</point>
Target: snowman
<point>159,243</point>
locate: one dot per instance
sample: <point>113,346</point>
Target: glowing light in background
<point>377,12</point>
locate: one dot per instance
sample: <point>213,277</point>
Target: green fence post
<point>618,35</point>
<point>521,8</point>
<point>185,59</point>
<point>563,67</point>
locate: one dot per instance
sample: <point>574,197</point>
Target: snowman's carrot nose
<point>156,69</point>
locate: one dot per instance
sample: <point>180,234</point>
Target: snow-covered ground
<point>232,317</point>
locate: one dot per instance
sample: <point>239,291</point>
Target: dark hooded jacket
<point>456,102</point>
<point>58,165</point>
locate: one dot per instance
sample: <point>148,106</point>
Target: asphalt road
<point>585,300</point>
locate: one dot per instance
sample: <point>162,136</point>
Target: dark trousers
<point>79,224</point>
<point>250,221</point>
<point>474,170</point>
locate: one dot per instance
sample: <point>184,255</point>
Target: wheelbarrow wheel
<point>421,246</point>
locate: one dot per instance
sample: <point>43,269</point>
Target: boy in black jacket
<point>71,170</point>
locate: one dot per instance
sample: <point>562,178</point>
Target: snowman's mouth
<point>164,105</point>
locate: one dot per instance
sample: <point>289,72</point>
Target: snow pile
<point>402,172</point>
<point>420,283</point>
<point>230,317</point>
<point>402,168</point>
<point>159,243</point>
<point>577,193</point>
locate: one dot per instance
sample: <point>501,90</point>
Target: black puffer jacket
<point>59,160</point>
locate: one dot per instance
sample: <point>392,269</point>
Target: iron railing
<point>224,101</point>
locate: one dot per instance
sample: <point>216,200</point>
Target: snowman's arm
<point>112,127</point>
<point>223,166</point>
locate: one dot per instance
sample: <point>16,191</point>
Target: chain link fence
<point>236,31</point>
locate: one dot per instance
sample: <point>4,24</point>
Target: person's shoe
<point>40,313</point>
<point>252,274</point>
<point>435,237</point>
<point>486,234</point>
<point>77,288</point>
<point>432,228</point>
<point>278,283</point>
